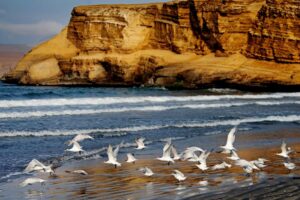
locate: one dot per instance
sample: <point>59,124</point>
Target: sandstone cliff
<point>190,44</point>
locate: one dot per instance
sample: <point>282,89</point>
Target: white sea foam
<point>136,99</point>
<point>11,175</point>
<point>6,115</point>
<point>233,122</point>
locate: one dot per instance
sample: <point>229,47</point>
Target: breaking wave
<point>233,122</point>
<point>131,100</point>
<point>4,115</point>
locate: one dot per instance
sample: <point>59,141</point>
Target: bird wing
<point>110,153</point>
<point>80,137</point>
<point>203,156</point>
<point>86,136</point>
<point>77,146</point>
<point>195,149</point>
<point>189,153</point>
<point>179,172</point>
<point>167,150</point>
<point>141,139</point>
<point>231,137</point>
<point>283,147</point>
<point>140,142</point>
<point>130,156</point>
<point>116,151</point>
<point>148,170</point>
<point>243,163</point>
<point>174,152</point>
<point>34,163</point>
<point>167,145</point>
<point>234,154</point>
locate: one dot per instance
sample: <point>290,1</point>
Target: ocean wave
<point>6,115</point>
<point>233,122</point>
<point>136,99</point>
<point>13,174</point>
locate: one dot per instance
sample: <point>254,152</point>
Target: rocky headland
<point>247,44</point>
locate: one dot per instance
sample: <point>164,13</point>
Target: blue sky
<point>32,21</point>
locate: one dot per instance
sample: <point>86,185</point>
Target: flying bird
<point>36,165</point>
<point>247,166</point>
<point>179,175</point>
<point>260,162</point>
<point>289,165</point>
<point>80,137</point>
<point>230,140</point>
<point>223,165</point>
<point>284,151</point>
<point>146,171</point>
<point>202,160</point>
<point>76,148</point>
<point>130,158</point>
<point>190,152</point>
<point>166,157</point>
<point>31,181</point>
<point>202,166</point>
<point>112,156</point>
<point>140,143</point>
<point>233,156</point>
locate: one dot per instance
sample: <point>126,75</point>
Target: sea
<point>37,122</point>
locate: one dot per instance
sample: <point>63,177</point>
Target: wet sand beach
<point>126,182</point>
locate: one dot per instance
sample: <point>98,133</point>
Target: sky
<point>33,21</point>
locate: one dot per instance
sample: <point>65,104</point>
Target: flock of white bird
<point>170,155</point>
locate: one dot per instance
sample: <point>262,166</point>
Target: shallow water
<point>36,122</point>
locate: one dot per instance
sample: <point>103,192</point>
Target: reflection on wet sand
<point>127,182</point>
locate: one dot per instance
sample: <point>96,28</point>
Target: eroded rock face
<point>189,43</point>
<point>276,33</point>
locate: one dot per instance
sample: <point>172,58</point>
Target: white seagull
<point>260,162</point>
<point>223,165</point>
<point>179,175</point>
<point>166,157</point>
<point>230,140</point>
<point>130,158</point>
<point>76,148</point>
<point>233,156</point>
<point>289,165</point>
<point>247,166</point>
<point>80,137</point>
<point>284,151</point>
<point>203,166</point>
<point>190,152</point>
<point>147,171</point>
<point>112,156</point>
<point>79,171</point>
<point>31,181</point>
<point>202,160</point>
<point>36,165</point>
<point>140,143</point>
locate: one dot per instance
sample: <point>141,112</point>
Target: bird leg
<point>115,166</point>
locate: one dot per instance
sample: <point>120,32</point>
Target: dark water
<point>35,122</point>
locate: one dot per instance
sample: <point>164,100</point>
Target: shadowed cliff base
<point>250,45</point>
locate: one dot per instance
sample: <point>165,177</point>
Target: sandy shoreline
<point>126,182</point>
